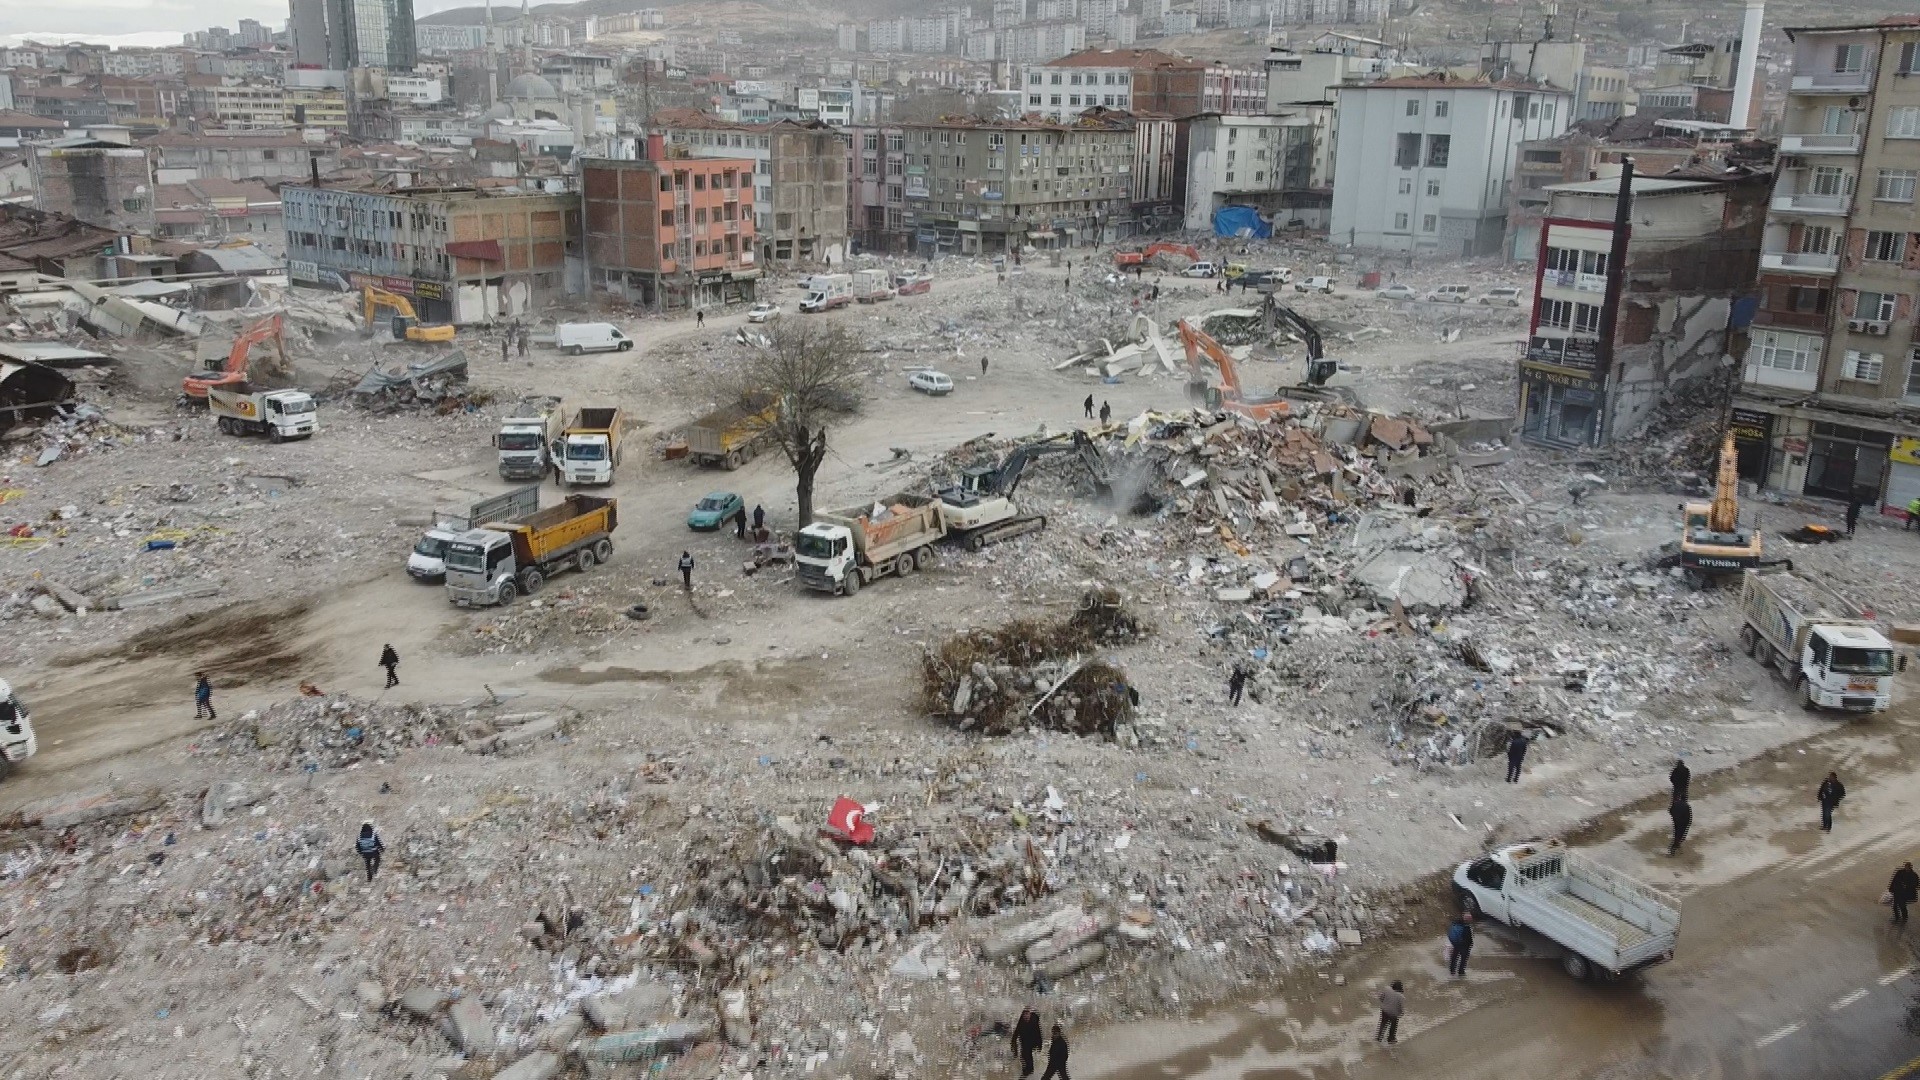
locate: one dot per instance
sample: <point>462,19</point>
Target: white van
<point>1450,294</point>
<point>574,338</point>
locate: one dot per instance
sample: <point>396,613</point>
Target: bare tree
<point>813,369</point>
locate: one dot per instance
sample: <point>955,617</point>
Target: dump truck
<point>17,743</point>
<point>526,436</point>
<point>842,550</point>
<point>732,435</point>
<point>1821,645</point>
<point>427,561</point>
<point>1603,922</point>
<point>590,445</point>
<point>278,414</point>
<point>827,291</point>
<point>870,286</point>
<point>501,560</point>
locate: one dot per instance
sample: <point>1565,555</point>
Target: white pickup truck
<point>1604,922</point>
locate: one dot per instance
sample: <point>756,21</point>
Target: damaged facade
<point>670,232</point>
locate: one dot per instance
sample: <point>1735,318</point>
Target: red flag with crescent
<point>848,821</point>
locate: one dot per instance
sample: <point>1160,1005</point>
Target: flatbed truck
<point>1605,923</point>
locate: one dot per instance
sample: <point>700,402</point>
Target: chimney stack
<point>1742,109</point>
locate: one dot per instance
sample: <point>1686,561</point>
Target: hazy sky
<point>156,22</point>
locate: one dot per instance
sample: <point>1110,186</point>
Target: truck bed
<point>594,420</point>
<point>1627,935</point>
<point>1807,599</point>
<point>1598,912</point>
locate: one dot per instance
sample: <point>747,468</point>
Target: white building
<point>1062,93</point>
<point>1425,161</point>
<point>927,35</point>
<point>848,37</point>
<point>1322,12</point>
<point>887,35</point>
<point>1265,162</point>
<point>1039,42</point>
<point>1098,16</point>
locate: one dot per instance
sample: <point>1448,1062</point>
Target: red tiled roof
<point>1126,58</point>
<point>13,118</point>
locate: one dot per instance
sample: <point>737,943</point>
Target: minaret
<point>493,60</point>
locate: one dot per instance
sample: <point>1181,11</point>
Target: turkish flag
<point>848,821</point>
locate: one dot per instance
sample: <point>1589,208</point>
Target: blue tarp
<point>1240,221</point>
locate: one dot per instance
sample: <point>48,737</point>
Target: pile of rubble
<point>1035,672</point>
<point>318,731</point>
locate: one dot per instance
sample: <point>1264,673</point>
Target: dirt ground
<point>683,740</point>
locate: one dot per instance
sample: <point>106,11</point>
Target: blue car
<point>715,510</point>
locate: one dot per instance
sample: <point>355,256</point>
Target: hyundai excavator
<point>1713,541</point>
<point>980,509</point>
<point>231,372</point>
<point>406,322</point>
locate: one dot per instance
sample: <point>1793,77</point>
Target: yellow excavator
<point>406,322</point>
<point>1713,541</point>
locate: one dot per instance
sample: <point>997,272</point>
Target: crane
<point>406,323</point>
<point>226,375</point>
<point>1228,395</point>
<point>980,509</point>
<point>1713,542</point>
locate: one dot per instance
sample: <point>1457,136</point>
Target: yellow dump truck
<point>500,560</point>
<point>732,435</point>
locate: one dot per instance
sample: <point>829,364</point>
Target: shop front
<point>1562,399</point>
<point>1844,462</point>
<point>1752,432</point>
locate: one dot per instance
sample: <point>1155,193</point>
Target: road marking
<point>1848,1000</point>
<point>1894,977</point>
<point>1769,1040</point>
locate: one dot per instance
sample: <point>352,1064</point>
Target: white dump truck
<point>842,550</point>
<point>590,445</point>
<point>278,414</point>
<point>1603,922</point>
<point>16,730</point>
<point>526,435</point>
<point>1816,641</point>
<point>428,560</point>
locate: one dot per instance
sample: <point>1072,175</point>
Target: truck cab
<point>587,459</point>
<point>479,562</point>
<point>17,743</point>
<point>823,557</point>
<point>1848,667</point>
<point>523,451</point>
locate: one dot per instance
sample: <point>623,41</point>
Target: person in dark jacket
<point>759,517</point>
<point>1026,1040</point>
<point>1236,684</point>
<point>1056,1056</point>
<point>1087,405</point>
<point>1516,753</point>
<point>1681,777</point>
<point>1682,813</point>
<point>686,570</point>
<point>1393,1003</point>
<point>1830,793</point>
<point>390,660</point>
<point>1905,889</point>
<point>1853,513</point>
<point>1106,412</point>
<point>369,848</point>
<point>202,697</point>
<point>1460,941</point>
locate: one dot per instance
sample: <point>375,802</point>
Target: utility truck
<point>278,414</point>
<point>1817,642</point>
<point>870,286</point>
<point>732,435</point>
<point>427,561</point>
<point>826,292</point>
<point>1603,922</point>
<point>525,436</point>
<point>590,446</point>
<point>501,560</point>
<point>16,730</point>
<point>841,550</point>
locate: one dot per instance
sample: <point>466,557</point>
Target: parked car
<point>576,338</point>
<point>931,383</point>
<point>764,311</point>
<point>1266,279</point>
<point>1397,292</point>
<point>1200,269</point>
<point>1315,284</point>
<point>1505,295</point>
<point>715,510</point>
<point>1450,294</point>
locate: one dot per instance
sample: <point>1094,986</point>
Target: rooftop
<point>13,118</point>
<point>1891,22</point>
<point>1642,185</point>
<point>1126,58</point>
<point>1440,80</point>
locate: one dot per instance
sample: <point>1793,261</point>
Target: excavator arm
<point>1199,343</point>
<point>1319,368</point>
<point>234,371</point>
<point>1724,517</point>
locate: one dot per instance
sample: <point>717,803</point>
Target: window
<point>1806,299</point>
<point>1839,120</point>
<point>1586,318</point>
<point>1875,306</point>
<point>1863,366</point>
<point>1429,223</point>
<point>1910,58</point>
<point>1433,188</point>
<point>1904,122</point>
<point>1438,149</point>
<point>1849,59</point>
<point>666,219</point>
<point>1888,247</point>
<point>1440,108</point>
<point>1053,99</point>
<point>1829,180</point>
<point>1406,150</point>
<point>1563,260</point>
<point>1594,262</point>
<point>1816,240</point>
<point>1033,78</point>
<point>1786,352</point>
<point>1073,99</point>
<point>1400,222</point>
<point>1413,106</point>
<point>1406,185</point>
<point>1033,99</point>
<point>1054,80</point>
<point>666,252</point>
<point>1556,313</point>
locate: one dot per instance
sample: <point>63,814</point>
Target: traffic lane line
<point>1895,976</point>
<point>1848,1000</point>
<point>1774,1037</point>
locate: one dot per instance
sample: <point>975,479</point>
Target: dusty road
<point>1787,967</point>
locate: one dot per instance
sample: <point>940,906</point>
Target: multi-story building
<point>1265,162</point>
<point>321,108</point>
<point>1424,161</point>
<point>988,186</point>
<point>669,231</point>
<point>1599,93</point>
<point>180,156</point>
<point>229,103</point>
<point>1830,400</point>
<point>146,102</point>
<point>876,175</point>
<point>1037,42</point>
<point>800,196</point>
<point>463,255</point>
<point>218,210</point>
<point>341,34</point>
<point>77,106</point>
<point>1615,326</point>
<point>143,63</point>
<point>103,182</point>
<point>1140,79</point>
<point>442,38</point>
<point>1062,89</point>
<point>1324,12</point>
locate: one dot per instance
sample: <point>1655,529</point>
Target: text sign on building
<point>1580,353</point>
<point>1751,425</point>
<point>303,270</point>
<point>916,187</point>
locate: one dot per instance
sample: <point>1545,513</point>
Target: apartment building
<point>180,156</point>
<point>978,186</point>
<point>876,179</point>
<point>1146,80</point>
<point>800,179</point>
<point>463,255</point>
<point>227,103</point>
<point>1265,162</point>
<point>1829,404</point>
<point>1425,161</point>
<point>670,230</point>
<point>1062,89</point>
<point>100,181</point>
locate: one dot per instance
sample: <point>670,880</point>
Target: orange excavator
<point>227,374</point>
<point>1158,247</point>
<point>1228,396</point>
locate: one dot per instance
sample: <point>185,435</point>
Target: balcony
<point>1833,82</point>
<point>1820,144</point>
<point>1799,262</point>
<point>1801,203</point>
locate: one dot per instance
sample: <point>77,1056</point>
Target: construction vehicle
<point>1601,921</point>
<point>1319,368</point>
<point>1713,541</point>
<point>841,550</point>
<point>231,372</point>
<point>278,414</point>
<point>501,560</point>
<point>870,286</point>
<point>17,743</point>
<point>980,510</point>
<point>1159,247</point>
<point>526,435</point>
<point>590,445</point>
<point>1813,639</point>
<point>1228,396</point>
<point>733,435</point>
<point>427,561</point>
<point>405,323</point>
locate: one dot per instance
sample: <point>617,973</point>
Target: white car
<point>931,383</point>
<point>1505,295</point>
<point>1200,269</point>
<point>1450,294</point>
<point>763,312</point>
<point>1397,292</point>
<point>1315,284</point>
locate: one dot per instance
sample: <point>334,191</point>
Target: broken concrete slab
<point>516,736</point>
<point>1073,960</point>
<point>638,1005</point>
<point>152,597</point>
<point>560,1033</point>
<point>66,811</point>
<point>424,1002</point>
<point>1419,580</point>
<point>539,1065</point>
<point>1017,938</point>
<point>1069,937</point>
<point>225,795</point>
<point>469,1029</point>
<point>648,1042</point>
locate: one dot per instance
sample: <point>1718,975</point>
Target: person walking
<point>520,342</point>
<point>1056,1056</point>
<point>390,660</point>
<point>740,525</point>
<point>1516,754</point>
<point>1088,406</point>
<point>983,365</point>
<point>1460,942</point>
<point>1853,512</point>
<point>1682,813</point>
<point>1026,1040</point>
<point>1904,889</point>
<point>1830,793</point>
<point>686,571</point>
<point>506,341</point>
<point>1393,1003</point>
<point>1236,683</point>
<point>1680,777</point>
<point>369,848</point>
<point>759,517</point>
<point>700,319</point>
<point>202,697</point>
<point>1106,412</point>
